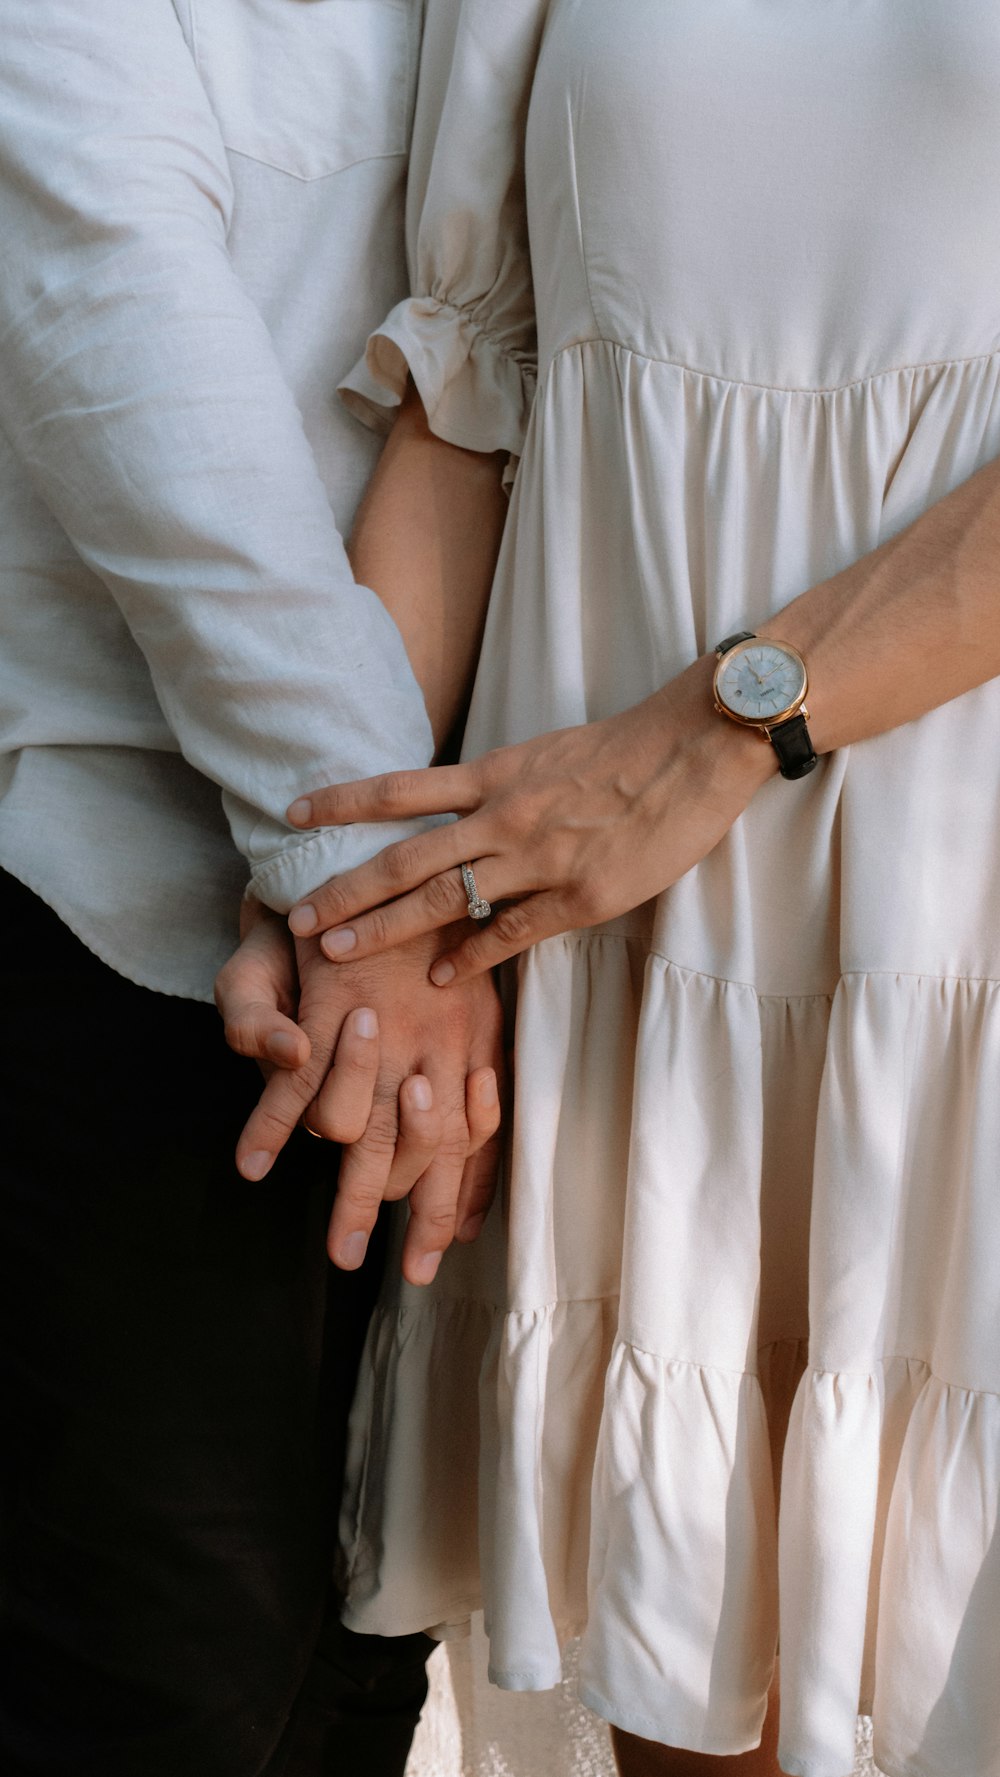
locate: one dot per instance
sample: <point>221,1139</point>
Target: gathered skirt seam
<point>901,1357</point>
<point>735,382</point>
<point>862,974</point>
<point>430,1305</point>
<point>648,1348</point>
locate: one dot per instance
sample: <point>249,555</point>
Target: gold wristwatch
<point>762,683</point>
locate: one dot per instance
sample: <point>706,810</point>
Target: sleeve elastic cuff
<point>476,393</point>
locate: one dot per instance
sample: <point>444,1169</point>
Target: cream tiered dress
<point>754,1167</point>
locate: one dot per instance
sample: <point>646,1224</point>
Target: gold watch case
<point>761,720</point>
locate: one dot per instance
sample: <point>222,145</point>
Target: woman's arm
<point>576,827</point>
<point>908,627</point>
<point>426,540</point>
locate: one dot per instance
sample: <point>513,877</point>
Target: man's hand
<point>257,992</point>
<point>430,1080</point>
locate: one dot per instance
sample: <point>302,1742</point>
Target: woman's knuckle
<point>401,861</point>
<point>443,895</point>
<point>492,769</point>
<point>389,789</point>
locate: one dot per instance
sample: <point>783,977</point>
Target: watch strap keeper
<point>742,635</point>
<point>791,742</point>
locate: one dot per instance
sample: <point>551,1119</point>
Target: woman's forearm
<point>426,540</point>
<point>908,627</point>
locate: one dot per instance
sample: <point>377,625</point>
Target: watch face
<point>760,680</point>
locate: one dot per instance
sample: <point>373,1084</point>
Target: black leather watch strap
<point>742,635</point>
<point>791,742</point>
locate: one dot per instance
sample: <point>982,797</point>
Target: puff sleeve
<point>466,334</point>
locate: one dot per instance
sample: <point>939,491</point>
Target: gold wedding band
<point>313,1132</point>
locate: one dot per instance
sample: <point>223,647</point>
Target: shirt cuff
<point>289,876</point>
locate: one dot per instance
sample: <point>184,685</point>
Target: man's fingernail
<point>302,920</point>
<point>420,1092</point>
<point>300,813</point>
<point>424,1269</point>
<point>488,1094</point>
<point>443,972</point>
<point>352,1251</point>
<point>282,1047</point>
<point>340,942</point>
<point>366,1023</point>
<point>254,1166</point>
<point>470,1229</point>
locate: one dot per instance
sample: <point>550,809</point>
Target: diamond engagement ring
<point>478,908</point>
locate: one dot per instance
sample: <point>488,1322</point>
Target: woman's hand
<point>569,829</point>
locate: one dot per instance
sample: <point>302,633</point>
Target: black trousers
<point>176,1362</point>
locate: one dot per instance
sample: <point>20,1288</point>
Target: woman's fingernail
<point>338,943</point>
<point>473,1227</point>
<point>424,1269</point>
<point>488,1094</point>
<point>254,1166</point>
<point>282,1047</point>
<point>352,1251</point>
<point>302,920</point>
<point>366,1023</point>
<point>300,813</point>
<point>420,1092</point>
<point>443,972</point>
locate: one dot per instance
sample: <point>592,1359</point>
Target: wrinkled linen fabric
<point>748,1231</point>
<point>201,213</point>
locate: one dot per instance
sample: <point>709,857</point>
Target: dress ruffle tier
<point>580,1470</point>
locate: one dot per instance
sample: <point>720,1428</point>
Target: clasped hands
<point>373,1058</point>
<point>565,830</point>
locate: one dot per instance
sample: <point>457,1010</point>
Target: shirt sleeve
<point>467,332</point>
<point>140,389</point>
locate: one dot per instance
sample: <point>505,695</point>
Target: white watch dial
<point>760,681</point>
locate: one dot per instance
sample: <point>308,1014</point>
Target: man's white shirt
<point>201,217</point>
